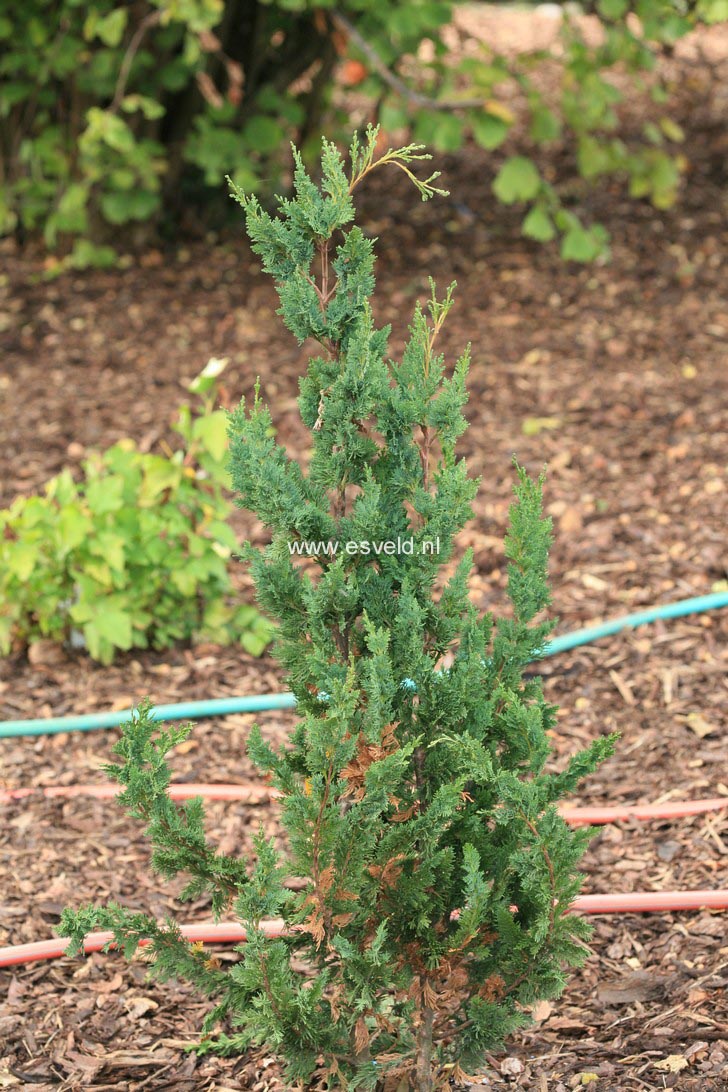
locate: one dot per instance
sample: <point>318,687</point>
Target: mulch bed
<point>627,362</point>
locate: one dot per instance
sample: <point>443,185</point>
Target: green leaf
<point>652,133</point>
<point>100,572</point>
<point>612,9</point>
<point>72,215</point>
<point>224,534</point>
<point>531,426</point>
<point>517,180</point>
<point>105,494</point>
<point>72,528</point>
<point>62,489</point>
<point>21,559</point>
<point>254,643</point>
<point>393,117</point>
<point>159,475</point>
<point>100,649</point>
<point>593,156</point>
<point>125,205</point>
<point>539,225</point>
<point>6,634</point>
<point>713,11</point>
<point>489,131</point>
<point>211,431</point>
<point>86,254</point>
<point>440,129</point>
<point>150,108</point>
<point>114,626</point>
<point>263,134</point>
<point>112,548</point>
<point>111,28</point>
<point>207,378</point>
<point>545,124</point>
<point>185,581</point>
<point>108,128</point>
<point>672,130</point>
<point>579,245</point>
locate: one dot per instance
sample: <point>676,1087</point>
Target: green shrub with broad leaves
<point>136,554</point>
<point>114,115</point>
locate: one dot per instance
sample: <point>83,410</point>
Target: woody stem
<point>423,1070</point>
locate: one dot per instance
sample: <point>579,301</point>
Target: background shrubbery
<point>133,556</point>
<point>115,114</point>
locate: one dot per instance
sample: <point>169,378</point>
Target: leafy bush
<point>438,871</point>
<point>116,115</point>
<point>135,555</point>
<point>108,112</point>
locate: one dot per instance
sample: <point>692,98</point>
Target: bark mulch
<point>614,375</point>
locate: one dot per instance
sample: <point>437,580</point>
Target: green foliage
<point>112,114</point>
<point>136,554</point>
<point>414,797</point>
<point>517,180</point>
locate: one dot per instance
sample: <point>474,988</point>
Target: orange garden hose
<point>671,809</point>
<point>640,902</point>
<point>226,932</point>
<point>246,794</point>
<point>231,932</point>
<point>260,794</point>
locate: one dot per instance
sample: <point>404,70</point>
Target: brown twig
<point>149,20</point>
<point>423,1071</point>
<point>391,78</point>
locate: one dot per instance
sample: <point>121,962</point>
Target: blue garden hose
<point>698,605</point>
<point>259,703</point>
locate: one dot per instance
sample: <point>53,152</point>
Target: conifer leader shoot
<point>414,801</point>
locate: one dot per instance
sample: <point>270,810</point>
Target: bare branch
<point>149,20</point>
<point>391,78</point>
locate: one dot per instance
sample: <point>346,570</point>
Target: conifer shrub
<point>434,872</point>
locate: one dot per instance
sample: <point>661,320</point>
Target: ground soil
<point>626,361</point>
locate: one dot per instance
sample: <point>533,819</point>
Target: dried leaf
<point>334,997</point>
<point>326,880</point>
<point>673,1063</point>
<point>46,653</point>
<point>208,90</point>
<point>493,988</point>
<point>697,723</point>
<point>389,873</point>
<point>361,1035</point>
<point>594,583</point>
<point>209,41</point>
<point>403,816</point>
<point>531,426</point>
<point>571,521</point>
<point>640,986</point>
<point>314,925</point>
<point>140,1006</point>
<point>622,686</point>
